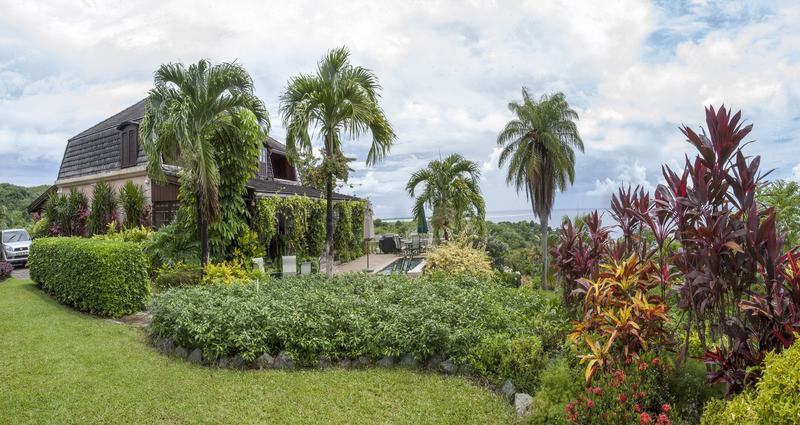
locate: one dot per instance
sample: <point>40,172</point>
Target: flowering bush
<point>5,270</point>
<point>636,393</point>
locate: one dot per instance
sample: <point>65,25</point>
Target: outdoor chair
<point>305,268</point>
<point>289,263</point>
<point>416,244</point>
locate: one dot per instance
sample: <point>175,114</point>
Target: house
<point>110,151</point>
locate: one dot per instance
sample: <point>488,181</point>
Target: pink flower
<point>623,398</point>
<point>644,418</point>
<point>665,408</point>
<point>663,419</point>
<point>637,407</point>
<point>656,361</point>
<point>590,403</point>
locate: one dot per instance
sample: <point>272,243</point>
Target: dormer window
<point>129,141</point>
<point>281,168</point>
<point>263,158</point>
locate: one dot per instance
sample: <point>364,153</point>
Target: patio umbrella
<point>422,224</point>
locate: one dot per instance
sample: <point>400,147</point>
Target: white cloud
<point>627,175</point>
<point>633,70</point>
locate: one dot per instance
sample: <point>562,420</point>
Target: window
<point>263,157</point>
<point>281,168</point>
<point>130,146</point>
<point>164,212</point>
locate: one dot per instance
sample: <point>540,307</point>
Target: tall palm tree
<point>338,100</point>
<point>451,191</point>
<point>538,145</point>
<point>191,111</point>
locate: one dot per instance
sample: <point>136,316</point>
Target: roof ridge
<point>91,130</point>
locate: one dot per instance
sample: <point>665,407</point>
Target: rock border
<point>436,363</point>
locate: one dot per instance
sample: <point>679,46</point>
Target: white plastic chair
<point>289,265</point>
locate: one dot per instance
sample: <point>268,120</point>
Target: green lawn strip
<point>60,366</point>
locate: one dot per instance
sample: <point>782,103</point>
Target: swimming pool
<point>401,265</point>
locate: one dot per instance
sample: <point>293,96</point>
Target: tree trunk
<point>329,225</point>
<point>202,227</point>
<point>543,223</point>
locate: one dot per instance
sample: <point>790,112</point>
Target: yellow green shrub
<point>458,258</point>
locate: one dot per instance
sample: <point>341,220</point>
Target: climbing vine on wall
<point>297,225</point>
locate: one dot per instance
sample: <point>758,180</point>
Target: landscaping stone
<point>265,361</point>
<point>165,346</point>
<point>238,362</point>
<point>433,361</point>
<point>344,363</point>
<point>360,362</point>
<point>182,352</point>
<point>522,403</point>
<point>387,361</point>
<point>196,356</point>
<point>283,361</point>
<point>224,362</point>
<point>508,390</point>
<point>408,360</point>
<point>324,362</point>
<point>447,367</point>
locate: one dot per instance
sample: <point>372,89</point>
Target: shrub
<point>106,278</point>
<point>349,316</point>
<point>131,197</point>
<point>622,317</point>
<point>178,275</point>
<point>104,207</point>
<point>500,357</point>
<point>458,258</point>
<point>774,399</point>
<point>558,384</point>
<point>690,390</point>
<point>225,273</point>
<point>5,270</point>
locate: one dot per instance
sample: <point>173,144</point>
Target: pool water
<point>401,265</point>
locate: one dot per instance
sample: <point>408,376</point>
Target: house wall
<point>115,179</point>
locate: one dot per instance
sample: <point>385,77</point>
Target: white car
<point>16,243</point>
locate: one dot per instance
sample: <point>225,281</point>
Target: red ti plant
<point>578,253</point>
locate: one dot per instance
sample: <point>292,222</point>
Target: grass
<point>60,366</point>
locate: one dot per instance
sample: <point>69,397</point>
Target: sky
<point>634,71</point>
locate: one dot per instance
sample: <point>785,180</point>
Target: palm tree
<point>191,111</point>
<point>338,100</point>
<point>451,191</point>
<point>538,146</point>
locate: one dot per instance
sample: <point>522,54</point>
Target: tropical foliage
<point>131,197</point>
<point>211,116</point>
<point>339,100</point>
<point>458,257</point>
<point>538,146</point>
<point>296,225</point>
<point>104,207</point>
<point>452,191</point>
<point>66,214</point>
<point>784,197</point>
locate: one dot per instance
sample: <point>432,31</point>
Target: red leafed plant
<point>621,318</point>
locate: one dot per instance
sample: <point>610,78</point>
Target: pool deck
<point>376,262</point>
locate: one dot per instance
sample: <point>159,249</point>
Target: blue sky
<point>633,70</point>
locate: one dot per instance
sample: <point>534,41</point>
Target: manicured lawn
<point>59,366</point>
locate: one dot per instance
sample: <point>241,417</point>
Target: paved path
<point>21,273</point>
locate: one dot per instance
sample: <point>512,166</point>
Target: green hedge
<point>357,315</point>
<point>102,277</point>
<point>303,220</point>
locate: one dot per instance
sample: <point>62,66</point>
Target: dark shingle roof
<point>98,149</point>
<point>277,188</point>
